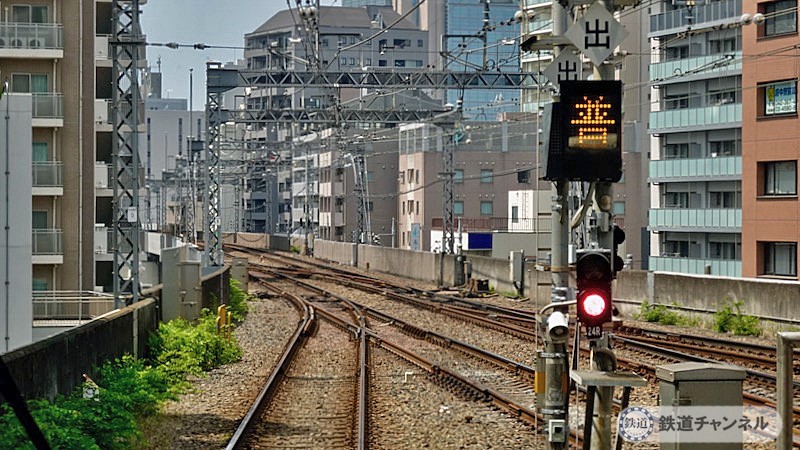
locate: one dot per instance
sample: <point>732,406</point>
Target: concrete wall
<point>54,366</point>
<point>16,309</point>
<point>421,266</point>
<point>763,298</point>
<point>759,297</point>
<point>258,240</point>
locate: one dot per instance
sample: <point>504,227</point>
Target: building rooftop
<point>337,17</point>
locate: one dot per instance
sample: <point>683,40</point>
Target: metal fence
<point>70,305</point>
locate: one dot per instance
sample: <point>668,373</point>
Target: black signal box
<point>584,132</point>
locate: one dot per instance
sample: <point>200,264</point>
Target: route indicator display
<point>588,132</point>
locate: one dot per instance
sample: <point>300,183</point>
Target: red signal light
<point>594,274</point>
<point>594,305</point>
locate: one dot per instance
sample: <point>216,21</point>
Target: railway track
<point>655,350</point>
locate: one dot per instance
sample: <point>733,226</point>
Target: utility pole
<point>127,46</point>
<point>585,146</point>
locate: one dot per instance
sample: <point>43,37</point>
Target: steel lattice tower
<point>127,47</point>
<point>213,243</point>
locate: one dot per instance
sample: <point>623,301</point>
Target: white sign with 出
<point>597,33</point>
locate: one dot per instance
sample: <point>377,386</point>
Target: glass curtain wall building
<point>475,39</point>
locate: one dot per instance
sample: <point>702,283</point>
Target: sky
<point>211,22</point>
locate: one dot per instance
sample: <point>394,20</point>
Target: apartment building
<point>695,126</point>
<point>278,44</point>
<point>770,154</point>
<point>492,159</point>
<point>340,195</point>
<point>41,57</point>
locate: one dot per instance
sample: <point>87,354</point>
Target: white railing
<point>71,305</point>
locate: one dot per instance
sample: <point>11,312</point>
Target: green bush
<point>129,388</point>
<point>664,316</point>
<point>237,304</point>
<point>728,320</point>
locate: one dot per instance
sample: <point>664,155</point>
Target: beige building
<point>59,53</point>
<point>492,159</point>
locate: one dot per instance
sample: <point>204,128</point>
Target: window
<point>400,63</point>
<point>722,250</point>
<point>515,214</point>
<point>417,207</point>
<point>487,208</point>
<point>778,98</point>
<point>420,43</point>
<point>524,177</point>
<point>486,175</point>
<point>29,14</point>
<point>382,63</point>
<point>676,200</point>
<point>324,42</point>
<point>352,61</point>
<point>39,220</point>
<point>725,199</point>
<point>780,258</point>
<point>677,52</point>
<point>673,151</point>
<point>370,175</point>
<point>716,98</point>
<point>370,206</point>
<point>780,178</point>
<point>723,148</point>
<point>367,61</point>
<point>676,249</point>
<point>676,101</point>
<point>458,176</point>
<point>619,208</point>
<point>28,82</point>
<point>458,208</point>
<point>402,178</point>
<point>722,45</point>
<point>39,152</point>
<point>781,17</point>
<point>402,43</point>
<point>342,61</point>
<point>410,207</point>
<point>39,284</point>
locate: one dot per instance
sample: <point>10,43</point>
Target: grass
<point>729,319</point>
<point>662,315</point>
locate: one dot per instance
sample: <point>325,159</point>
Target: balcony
<point>681,70</point>
<point>31,40</point>
<point>703,16</point>
<point>527,225</point>
<point>718,267</point>
<point>48,109</point>
<point>70,306</point>
<point>46,247</point>
<point>696,119</point>
<point>719,168</point>
<point>699,220</point>
<point>47,178</point>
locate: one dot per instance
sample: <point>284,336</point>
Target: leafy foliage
<point>664,316</point>
<point>728,320</point>
<point>129,388</point>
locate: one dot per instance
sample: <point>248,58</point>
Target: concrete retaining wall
<point>258,240</point>
<point>422,266</point>
<point>759,297</point>
<point>764,298</point>
<point>54,365</point>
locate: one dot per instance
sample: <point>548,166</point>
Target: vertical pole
<point>785,352</point>
<point>556,352</point>
<point>602,357</point>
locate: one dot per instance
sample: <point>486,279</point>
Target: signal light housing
<point>594,272</point>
